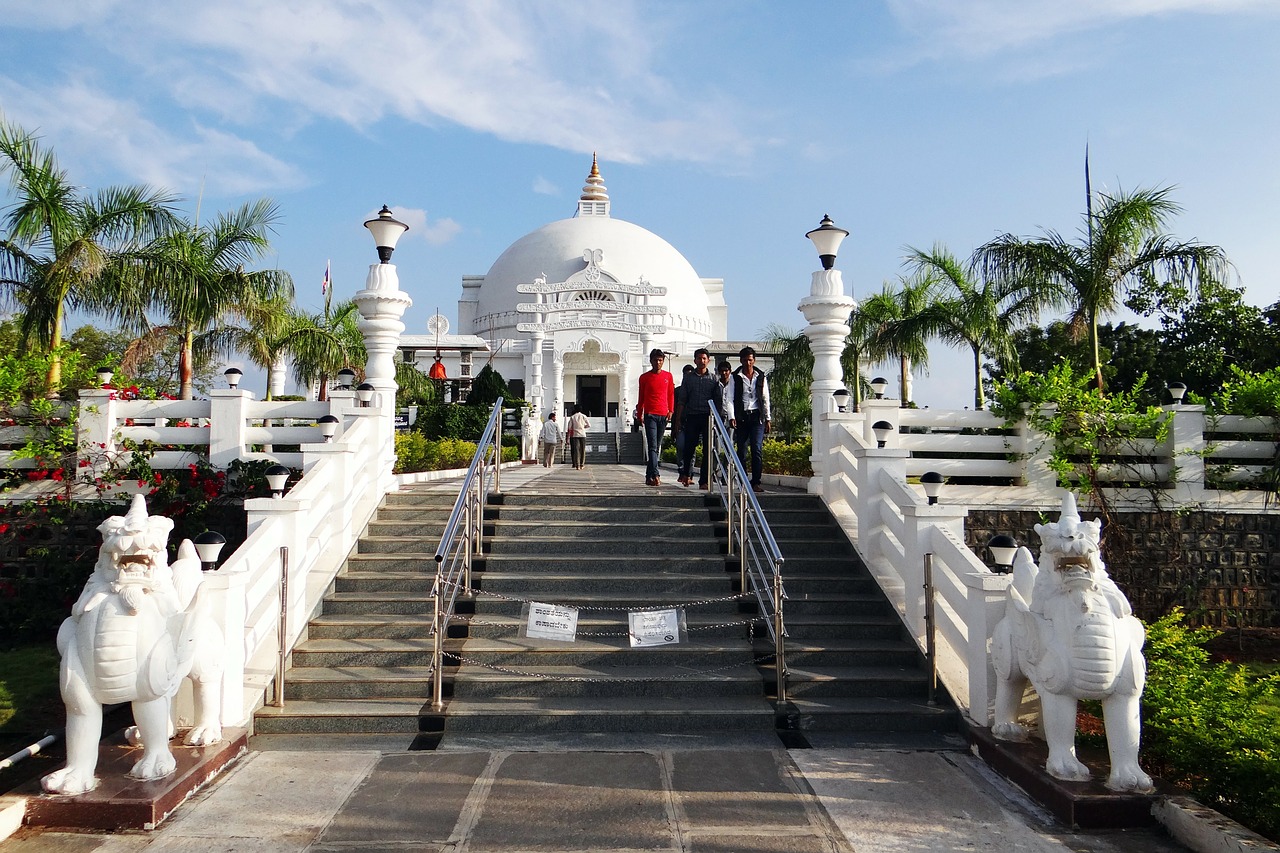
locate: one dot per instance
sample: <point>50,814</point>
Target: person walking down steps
<point>578,426</point>
<point>551,439</point>
<point>657,400</point>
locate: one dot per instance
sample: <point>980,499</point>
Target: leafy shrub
<point>444,420</point>
<point>788,458</point>
<point>1208,728</point>
<point>415,452</point>
<point>1254,394</point>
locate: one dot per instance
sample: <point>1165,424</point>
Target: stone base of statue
<point>1087,805</point>
<point>121,802</point>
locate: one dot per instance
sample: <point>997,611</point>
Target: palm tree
<point>1123,246</point>
<point>197,276</point>
<point>334,342</point>
<point>891,322</point>
<point>980,313</point>
<point>64,250</point>
<point>270,331</point>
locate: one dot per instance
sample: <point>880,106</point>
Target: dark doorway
<point>591,395</point>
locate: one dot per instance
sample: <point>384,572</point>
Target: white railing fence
<point>893,525</point>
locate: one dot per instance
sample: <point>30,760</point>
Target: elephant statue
<point>138,628</point>
<point>1070,631</point>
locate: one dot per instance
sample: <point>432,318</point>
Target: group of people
<point>743,398</point>
<point>577,433</point>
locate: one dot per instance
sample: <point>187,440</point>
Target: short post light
<point>386,233</point>
<point>878,386</point>
<point>841,398</point>
<point>364,393</point>
<point>277,477</point>
<point>882,429</point>
<point>1003,547</point>
<point>233,375</point>
<point>932,482</point>
<point>328,426</point>
<point>104,376</point>
<point>208,547</point>
<point>1177,390</point>
<point>827,238</point>
<point>344,379</point>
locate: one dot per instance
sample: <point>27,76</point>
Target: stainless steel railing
<point>461,541</point>
<point>759,558</point>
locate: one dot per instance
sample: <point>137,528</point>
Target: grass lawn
<point>29,700</point>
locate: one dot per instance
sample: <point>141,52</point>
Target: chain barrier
<point>462,659</point>
<point>641,609</point>
<point>755,620</point>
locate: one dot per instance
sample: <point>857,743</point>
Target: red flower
<point>158,478</point>
<point>4,528</point>
<point>57,474</point>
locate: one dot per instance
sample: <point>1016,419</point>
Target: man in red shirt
<point>657,399</point>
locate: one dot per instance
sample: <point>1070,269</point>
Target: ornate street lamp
<point>827,237</point>
<point>386,232</point>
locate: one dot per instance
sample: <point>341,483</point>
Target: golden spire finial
<point>595,189</point>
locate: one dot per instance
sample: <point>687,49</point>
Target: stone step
<point>642,499</point>
<point>679,528</point>
<point>611,578</point>
<point>350,626</point>
<point>610,714</point>
<point>639,682</point>
<point>416,529</point>
<point>357,682</point>
<point>859,715</point>
<point>501,515</point>
<point>655,542</point>
<point>846,605</point>
<point>419,582</point>
<point>578,563</point>
<point>862,681</point>
<point>407,715</point>
<point>699,654</point>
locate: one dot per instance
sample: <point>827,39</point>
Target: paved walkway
<point>597,793</point>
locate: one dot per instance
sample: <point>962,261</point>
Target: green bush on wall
<point>779,457</point>
<point>415,452</point>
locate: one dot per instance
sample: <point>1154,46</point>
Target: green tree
<point>196,275</point>
<point>1124,247</point>
<point>978,312</point>
<point>789,380</point>
<point>336,343</point>
<point>890,320</point>
<point>64,249</point>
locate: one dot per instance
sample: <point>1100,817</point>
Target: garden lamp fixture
<point>345,379</point>
<point>826,237</point>
<point>208,547</point>
<point>277,477</point>
<point>1177,390</point>
<point>104,376</point>
<point>233,375</point>
<point>882,430</point>
<point>1002,547</point>
<point>364,393</point>
<point>386,231</point>
<point>841,397</point>
<point>932,482</point>
<point>328,426</point>
<point>878,386</point>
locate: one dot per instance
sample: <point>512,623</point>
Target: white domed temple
<point>569,312</point>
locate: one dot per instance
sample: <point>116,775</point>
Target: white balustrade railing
<point>893,525</point>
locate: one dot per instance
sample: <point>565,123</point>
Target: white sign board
<point>552,622</point>
<point>654,627</point>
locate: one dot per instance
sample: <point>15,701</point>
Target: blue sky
<point>729,128</point>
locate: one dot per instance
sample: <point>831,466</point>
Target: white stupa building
<point>569,312</point>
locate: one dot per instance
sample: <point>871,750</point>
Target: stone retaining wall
<point>1221,568</point>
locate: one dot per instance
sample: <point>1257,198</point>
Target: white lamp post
<point>386,233</point>
<point>233,375</point>
<point>277,476</point>
<point>328,426</point>
<point>1177,390</point>
<point>841,398</point>
<point>1003,547</point>
<point>882,429</point>
<point>878,386</point>
<point>932,482</point>
<point>208,546</point>
<point>827,309</point>
<point>345,378</point>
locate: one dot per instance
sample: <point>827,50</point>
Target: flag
<point>324,286</point>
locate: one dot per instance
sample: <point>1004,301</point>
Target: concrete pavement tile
<point>27,841</point>
<point>756,843</point>
<point>589,801</point>
<point>408,797</point>
<point>280,798</point>
<point>731,788</point>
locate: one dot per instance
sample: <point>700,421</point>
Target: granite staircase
<point>852,669</point>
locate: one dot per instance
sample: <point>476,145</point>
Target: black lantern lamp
<point>364,393</point>
<point>841,398</point>
<point>344,379</point>
<point>882,429</point>
<point>1003,547</point>
<point>1177,390</point>
<point>104,376</point>
<point>208,547</point>
<point>277,477</point>
<point>386,232</point>
<point>932,482</point>
<point>328,426</point>
<point>233,375</point>
<point>878,386</point>
<point>827,237</point>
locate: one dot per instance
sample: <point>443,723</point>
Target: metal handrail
<point>759,557</point>
<point>461,541</point>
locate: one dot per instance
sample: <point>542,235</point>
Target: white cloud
<point>435,232</point>
<point>107,134</point>
<point>976,28</point>
<point>579,77</point>
<point>542,186</point>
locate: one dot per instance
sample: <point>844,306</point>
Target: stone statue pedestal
<point>121,802</point>
<point>1087,805</point>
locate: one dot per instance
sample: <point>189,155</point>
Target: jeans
<point>750,431</point>
<point>655,427</point>
<point>695,433</point>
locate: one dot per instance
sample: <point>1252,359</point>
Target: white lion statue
<point>136,631</point>
<point>1069,630</point>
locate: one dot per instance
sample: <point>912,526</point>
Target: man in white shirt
<point>746,404</point>
<point>551,439</point>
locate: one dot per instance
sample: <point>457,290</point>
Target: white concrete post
<point>557,387</point>
<point>871,461</point>
<point>827,309</point>
<point>228,420</point>
<point>1185,447</point>
<point>1035,448</point>
<point>918,524</point>
<point>381,304</point>
<point>96,429</point>
<point>875,411</point>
